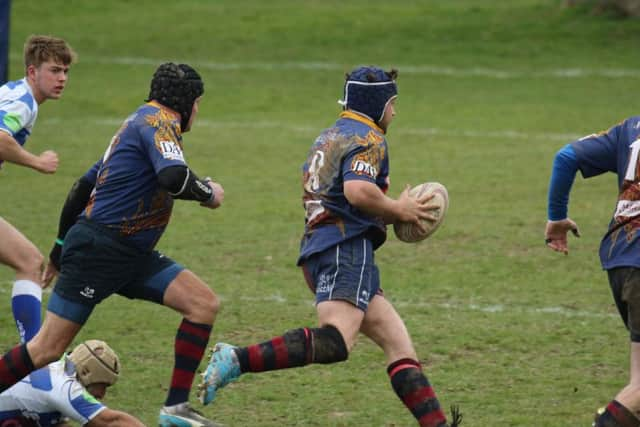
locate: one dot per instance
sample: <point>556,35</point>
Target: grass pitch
<point>489,91</point>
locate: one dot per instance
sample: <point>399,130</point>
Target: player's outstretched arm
<point>11,151</point>
<point>113,418</point>
<point>368,197</point>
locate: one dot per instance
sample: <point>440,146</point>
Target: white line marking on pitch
<point>438,70</point>
<point>428,69</point>
<point>461,133</point>
<point>493,308</point>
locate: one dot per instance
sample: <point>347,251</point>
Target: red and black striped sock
<point>413,388</point>
<point>190,345</point>
<point>616,415</point>
<point>298,347</point>
<point>15,365</point>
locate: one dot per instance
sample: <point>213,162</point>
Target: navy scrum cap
<point>368,90</point>
<point>176,86</point>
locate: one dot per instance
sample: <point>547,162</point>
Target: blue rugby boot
<point>223,368</point>
<point>183,415</point>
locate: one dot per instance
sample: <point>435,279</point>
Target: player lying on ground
<point>67,390</point>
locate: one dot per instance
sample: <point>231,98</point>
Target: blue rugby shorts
<point>346,271</point>
<point>95,264</point>
<point>625,287</point>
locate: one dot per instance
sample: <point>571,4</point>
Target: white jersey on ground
<point>47,396</point>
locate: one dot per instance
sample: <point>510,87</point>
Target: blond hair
<point>39,49</point>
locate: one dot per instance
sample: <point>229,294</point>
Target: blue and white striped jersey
<point>47,397</point>
<point>18,109</point>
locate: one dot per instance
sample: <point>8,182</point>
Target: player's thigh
<point>15,248</point>
<point>385,327</point>
<point>155,274</point>
<point>342,315</point>
<point>191,296</point>
<point>344,278</point>
<point>635,365</point>
<point>163,281</point>
<point>53,338</point>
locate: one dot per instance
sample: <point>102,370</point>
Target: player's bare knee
<point>204,309</point>
<point>29,264</point>
<point>44,353</point>
<point>211,306</point>
<point>633,389</point>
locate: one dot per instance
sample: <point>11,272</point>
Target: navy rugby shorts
<point>346,271</point>
<point>625,286</point>
<point>96,263</point>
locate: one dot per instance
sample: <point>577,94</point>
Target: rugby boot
<point>183,415</point>
<point>222,369</point>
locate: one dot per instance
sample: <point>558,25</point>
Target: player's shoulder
<point>17,91</point>
<point>632,122</point>
<point>152,114</point>
<point>627,131</point>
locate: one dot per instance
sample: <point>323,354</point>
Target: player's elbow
<point>173,178</point>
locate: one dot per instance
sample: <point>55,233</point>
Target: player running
<point>47,61</point>
<point>109,226</point>
<point>68,389</point>
<point>616,150</point>
<point>345,180</point>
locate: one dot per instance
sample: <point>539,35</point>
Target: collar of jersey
<point>360,118</point>
<point>29,89</point>
<point>163,107</point>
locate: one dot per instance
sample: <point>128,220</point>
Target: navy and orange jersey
<point>355,148</point>
<point>617,150</point>
<point>127,197</point>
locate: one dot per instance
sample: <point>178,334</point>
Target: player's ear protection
<point>368,90</point>
<point>176,86</point>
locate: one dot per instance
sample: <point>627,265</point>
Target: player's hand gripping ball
<point>409,232</point>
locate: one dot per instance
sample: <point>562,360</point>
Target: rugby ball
<point>409,232</point>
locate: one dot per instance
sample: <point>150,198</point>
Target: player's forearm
<point>73,206</point>
<point>111,418</point>
<point>565,166</point>
<point>182,183</point>
<point>123,419</point>
<point>76,201</point>
<point>11,151</point>
<point>368,198</point>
